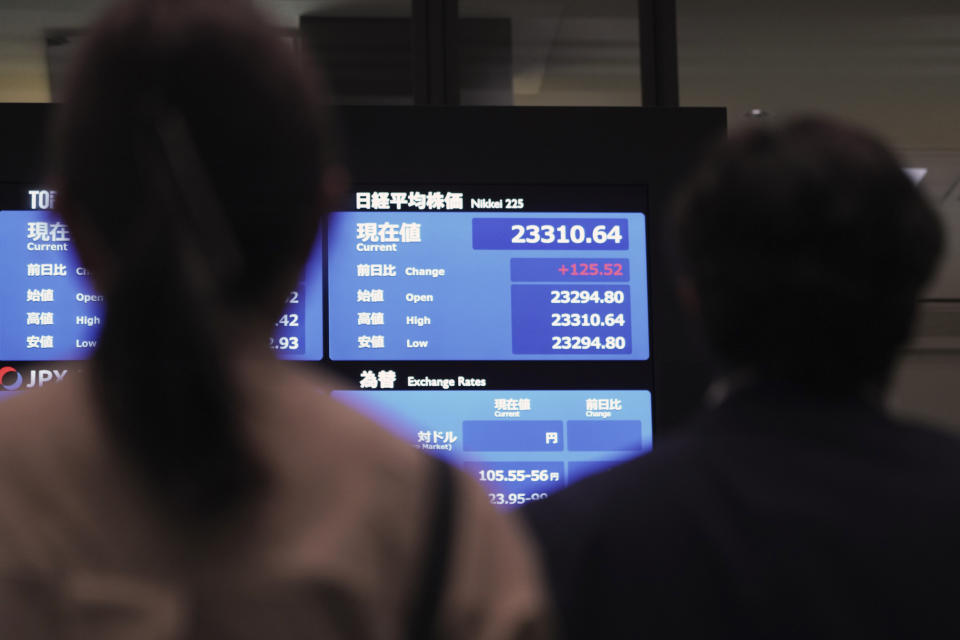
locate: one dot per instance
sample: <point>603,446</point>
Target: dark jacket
<point>777,515</point>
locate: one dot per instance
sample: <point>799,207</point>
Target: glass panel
<point>364,46</point>
<point>26,26</point>
<point>38,38</point>
<point>550,52</point>
<point>888,65</point>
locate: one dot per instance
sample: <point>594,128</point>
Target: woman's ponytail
<point>162,361</point>
<point>190,150</point>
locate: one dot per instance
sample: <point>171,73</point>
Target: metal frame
<point>658,53</point>
<point>435,26</point>
<point>435,59</point>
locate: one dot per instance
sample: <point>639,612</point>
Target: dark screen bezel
<point>549,146</point>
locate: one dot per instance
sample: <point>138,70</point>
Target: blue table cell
<point>569,270</point>
<point>571,320</point>
<point>49,310</point>
<point>551,234</point>
<point>445,301</point>
<point>289,337</point>
<point>513,435</point>
<point>605,435</point>
<point>518,477</point>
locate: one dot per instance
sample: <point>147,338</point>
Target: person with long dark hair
<point>189,485</point>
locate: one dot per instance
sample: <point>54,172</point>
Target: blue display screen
<point>439,286</point>
<point>502,328</point>
<point>50,309</point>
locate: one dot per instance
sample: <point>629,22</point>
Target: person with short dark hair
<point>189,485</point>
<point>795,506</point>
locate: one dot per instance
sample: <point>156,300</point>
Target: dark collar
<point>774,405</point>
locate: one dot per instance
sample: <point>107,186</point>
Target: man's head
<point>191,123</point>
<point>807,247</point>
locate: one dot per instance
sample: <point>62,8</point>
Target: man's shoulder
<point>843,429</point>
<point>625,499</point>
<point>752,451</point>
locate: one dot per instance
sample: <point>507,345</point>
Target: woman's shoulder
<point>47,423</point>
<point>494,581</point>
<point>295,419</point>
<point>348,503</point>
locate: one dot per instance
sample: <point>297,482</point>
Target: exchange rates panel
<point>503,328</point>
<point>521,445</point>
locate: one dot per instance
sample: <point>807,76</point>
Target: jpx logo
<point>12,380</point>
